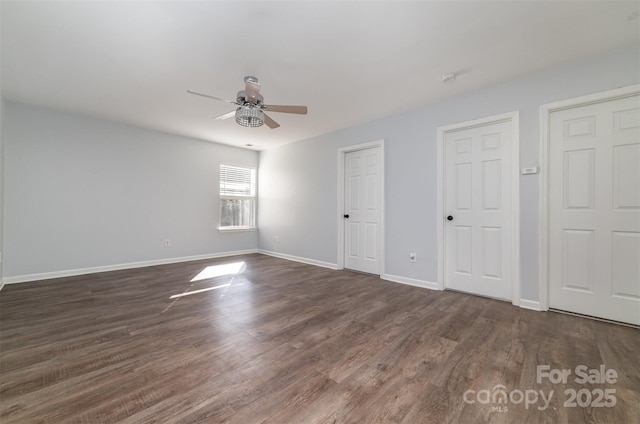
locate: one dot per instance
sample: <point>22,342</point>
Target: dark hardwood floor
<point>283,342</point>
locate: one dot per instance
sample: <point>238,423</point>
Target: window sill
<point>236,229</point>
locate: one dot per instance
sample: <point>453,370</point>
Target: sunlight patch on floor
<point>213,271</point>
<point>231,269</point>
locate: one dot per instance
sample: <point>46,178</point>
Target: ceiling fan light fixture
<point>250,116</point>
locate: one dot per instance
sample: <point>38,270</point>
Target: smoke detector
<point>448,79</point>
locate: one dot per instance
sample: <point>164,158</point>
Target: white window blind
<point>237,182</point>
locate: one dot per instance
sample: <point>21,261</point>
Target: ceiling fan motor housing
<point>241,98</point>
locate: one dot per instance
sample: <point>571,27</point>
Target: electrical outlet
<point>412,256</point>
<point>276,239</point>
<point>167,242</point>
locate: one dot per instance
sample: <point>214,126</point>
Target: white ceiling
<point>349,62</point>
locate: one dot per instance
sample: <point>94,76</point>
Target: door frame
<point>342,153</point>
<point>514,118</point>
<point>545,114</point>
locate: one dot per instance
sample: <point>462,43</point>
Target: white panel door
<point>594,210</point>
<point>478,227</point>
<point>362,203</point>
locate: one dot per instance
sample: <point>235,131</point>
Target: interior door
<point>594,209</point>
<point>362,207</point>
<point>478,225</point>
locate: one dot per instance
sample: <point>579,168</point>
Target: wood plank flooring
<point>284,342</point>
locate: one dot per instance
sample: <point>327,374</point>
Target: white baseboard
<point>411,281</point>
<point>534,305</point>
<point>298,259</point>
<point>93,270</point>
<point>388,277</point>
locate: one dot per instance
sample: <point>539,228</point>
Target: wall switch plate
<point>412,256</point>
<point>530,170</point>
<point>167,242</point>
<point>276,239</point>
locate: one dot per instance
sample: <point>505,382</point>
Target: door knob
<point>449,218</point>
<point>346,215</point>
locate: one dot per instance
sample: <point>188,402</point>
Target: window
<point>237,197</point>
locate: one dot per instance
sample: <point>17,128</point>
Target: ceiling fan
<point>251,107</point>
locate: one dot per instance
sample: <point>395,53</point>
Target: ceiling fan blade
<point>251,91</point>
<point>300,110</point>
<point>270,122</point>
<point>211,97</point>
<point>225,116</point>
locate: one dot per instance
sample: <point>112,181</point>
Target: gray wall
<point>1,186</point>
<point>298,181</point>
<point>82,193</point>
